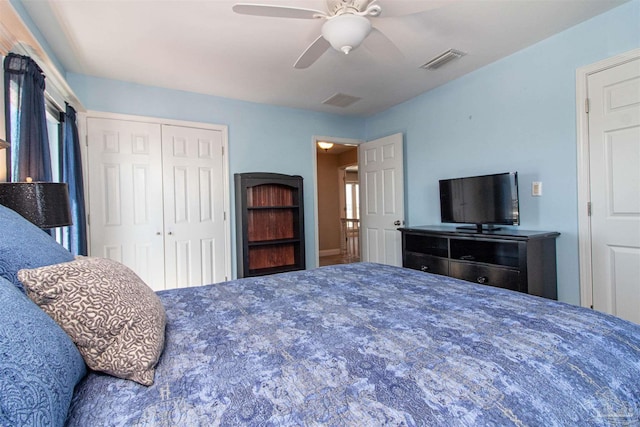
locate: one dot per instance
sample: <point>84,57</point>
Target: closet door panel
<point>194,211</point>
<point>125,195</point>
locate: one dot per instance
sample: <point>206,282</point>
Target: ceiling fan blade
<point>277,11</point>
<point>380,45</point>
<point>313,52</point>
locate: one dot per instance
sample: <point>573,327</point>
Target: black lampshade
<point>46,204</point>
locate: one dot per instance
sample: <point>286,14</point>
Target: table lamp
<point>46,204</point>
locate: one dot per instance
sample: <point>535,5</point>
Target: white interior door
<point>614,151</point>
<point>194,212</point>
<point>125,193</point>
<point>381,169</point>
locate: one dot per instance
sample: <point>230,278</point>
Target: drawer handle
<point>424,268</point>
<point>483,280</point>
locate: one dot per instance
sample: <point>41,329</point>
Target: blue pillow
<point>24,245</point>
<point>39,364</point>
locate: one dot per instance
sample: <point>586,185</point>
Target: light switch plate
<point>536,188</point>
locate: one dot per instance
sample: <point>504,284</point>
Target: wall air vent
<point>341,100</point>
<point>442,59</point>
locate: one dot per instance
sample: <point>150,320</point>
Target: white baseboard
<point>329,252</point>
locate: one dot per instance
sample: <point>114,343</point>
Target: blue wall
<point>262,138</point>
<point>517,114</point>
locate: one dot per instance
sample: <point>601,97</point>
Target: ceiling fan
<point>346,26</point>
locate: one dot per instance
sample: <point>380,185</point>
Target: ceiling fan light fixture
<point>325,145</point>
<point>346,32</point>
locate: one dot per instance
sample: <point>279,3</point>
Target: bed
<point>368,344</point>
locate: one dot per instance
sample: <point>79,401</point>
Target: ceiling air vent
<point>341,100</point>
<point>442,59</point>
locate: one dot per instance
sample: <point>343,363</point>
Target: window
<point>48,125</point>
<point>352,193</point>
<point>54,132</point>
<point>3,153</point>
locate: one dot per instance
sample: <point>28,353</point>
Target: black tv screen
<point>486,199</point>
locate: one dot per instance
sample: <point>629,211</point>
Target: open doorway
<point>338,204</point>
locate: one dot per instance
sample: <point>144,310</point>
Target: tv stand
<point>519,260</point>
<point>479,228</point>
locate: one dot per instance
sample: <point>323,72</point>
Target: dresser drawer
<point>486,275</point>
<point>426,263</point>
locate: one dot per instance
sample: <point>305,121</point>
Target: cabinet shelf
<point>272,242</point>
<point>494,251</point>
<point>273,270</point>
<point>270,223</point>
<point>259,208</point>
<point>519,260</point>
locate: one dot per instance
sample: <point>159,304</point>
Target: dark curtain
<point>26,125</point>
<point>74,237</point>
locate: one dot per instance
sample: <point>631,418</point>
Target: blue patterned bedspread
<point>372,345</point>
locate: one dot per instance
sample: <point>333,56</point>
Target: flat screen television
<point>486,200</point>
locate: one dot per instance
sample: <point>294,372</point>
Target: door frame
<point>584,177</point>
<point>224,129</point>
<point>314,145</point>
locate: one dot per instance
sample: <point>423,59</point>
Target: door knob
<point>397,222</point>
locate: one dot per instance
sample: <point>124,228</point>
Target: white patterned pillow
<point>116,321</point>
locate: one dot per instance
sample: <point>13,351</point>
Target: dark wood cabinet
<point>269,223</point>
<point>523,261</point>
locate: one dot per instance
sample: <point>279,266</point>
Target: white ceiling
<point>203,46</point>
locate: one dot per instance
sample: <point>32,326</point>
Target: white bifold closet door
<point>156,200</point>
